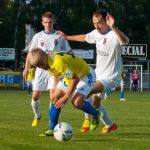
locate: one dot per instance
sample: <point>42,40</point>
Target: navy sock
<point>53,116</point>
<point>88,108</point>
<point>29,90</point>
<point>121,94</point>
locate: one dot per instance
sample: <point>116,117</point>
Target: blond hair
<point>37,57</point>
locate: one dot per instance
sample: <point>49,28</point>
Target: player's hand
<point>25,73</point>
<point>110,20</point>
<point>61,102</point>
<point>62,34</point>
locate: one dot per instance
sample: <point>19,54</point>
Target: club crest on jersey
<point>42,44</point>
<point>55,42</point>
<point>104,41</point>
<point>68,74</point>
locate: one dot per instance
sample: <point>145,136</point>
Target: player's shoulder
<point>38,34</point>
<point>58,61</point>
<point>58,55</point>
<point>92,32</point>
<point>62,57</point>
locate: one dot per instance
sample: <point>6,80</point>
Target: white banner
<point>7,54</point>
<point>85,54</point>
<point>135,51</point>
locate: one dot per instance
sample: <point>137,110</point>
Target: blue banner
<point>10,79</point>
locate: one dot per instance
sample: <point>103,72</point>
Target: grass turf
<point>132,117</point>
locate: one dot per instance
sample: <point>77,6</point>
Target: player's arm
<point>111,23</point>
<point>79,38</point>
<point>121,36</point>
<point>74,81</point>
<point>27,64</point>
<point>32,45</point>
<point>63,100</point>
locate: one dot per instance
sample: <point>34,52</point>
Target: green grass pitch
<point>132,117</point>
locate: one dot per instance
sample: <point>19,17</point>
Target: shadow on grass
<point>134,125</point>
<point>134,135</point>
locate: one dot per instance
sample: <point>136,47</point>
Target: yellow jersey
<point>67,65</point>
<point>122,74</point>
<point>31,74</point>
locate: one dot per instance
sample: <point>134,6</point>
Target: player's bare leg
<point>35,103</point>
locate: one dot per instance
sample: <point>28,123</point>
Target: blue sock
<point>88,108</point>
<point>108,92</point>
<point>122,94</point>
<point>53,116</point>
<point>29,89</point>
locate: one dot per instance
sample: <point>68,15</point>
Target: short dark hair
<point>101,12</point>
<point>48,15</point>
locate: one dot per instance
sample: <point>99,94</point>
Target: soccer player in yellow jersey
<point>76,73</point>
<point>122,78</point>
<point>29,80</point>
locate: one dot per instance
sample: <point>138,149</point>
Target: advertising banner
<point>135,51</point>
<point>10,79</point>
<point>7,54</point>
<point>85,54</point>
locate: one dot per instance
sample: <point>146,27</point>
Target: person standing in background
<point>30,78</point>
<point>135,80</point>
<point>122,78</point>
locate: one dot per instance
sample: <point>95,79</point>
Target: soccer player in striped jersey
<point>48,40</point>
<point>79,79</point>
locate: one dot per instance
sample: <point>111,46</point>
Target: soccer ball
<point>63,131</point>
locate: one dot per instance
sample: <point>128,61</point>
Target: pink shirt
<point>134,76</point>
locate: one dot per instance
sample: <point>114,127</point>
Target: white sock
<point>36,108</point>
<point>104,116</point>
<point>87,116</point>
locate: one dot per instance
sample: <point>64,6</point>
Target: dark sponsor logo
<point>135,51</point>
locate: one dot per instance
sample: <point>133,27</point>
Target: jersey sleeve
<point>118,40</point>
<point>90,38</point>
<point>65,45</point>
<point>33,43</point>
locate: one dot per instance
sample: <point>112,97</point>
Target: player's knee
<point>54,99</point>
<point>77,103</point>
<point>35,98</point>
<point>35,95</point>
<point>97,100</point>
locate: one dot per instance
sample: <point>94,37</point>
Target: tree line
<point>73,17</point>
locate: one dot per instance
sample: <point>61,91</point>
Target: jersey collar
<point>108,30</point>
<point>49,32</point>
